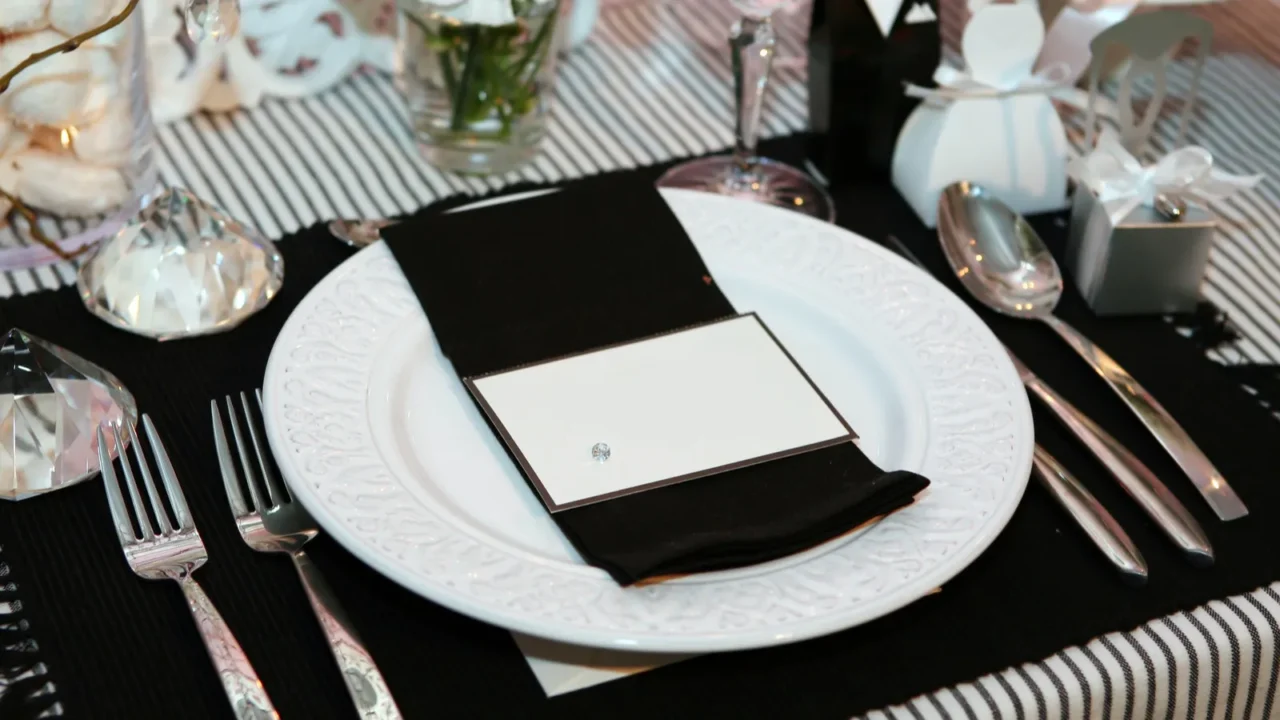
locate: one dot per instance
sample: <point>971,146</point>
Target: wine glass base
<point>768,182</point>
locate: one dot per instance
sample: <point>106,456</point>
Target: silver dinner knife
<point>1089,514</point>
<point>1142,485</point>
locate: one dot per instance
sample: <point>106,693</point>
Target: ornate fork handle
<point>368,689</point>
<point>249,700</point>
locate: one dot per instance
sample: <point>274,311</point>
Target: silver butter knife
<point>1089,514</point>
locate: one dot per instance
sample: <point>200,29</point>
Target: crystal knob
<point>179,268</point>
<point>215,20</point>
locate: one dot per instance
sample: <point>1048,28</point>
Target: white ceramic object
<point>23,16</point>
<point>379,439</point>
<point>12,137</point>
<point>55,91</point>
<point>60,184</point>
<point>284,49</point>
<point>8,183</point>
<point>106,142</point>
<point>72,17</point>
<point>1014,145</point>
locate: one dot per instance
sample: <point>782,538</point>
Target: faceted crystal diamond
<point>51,403</point>
<point>216,20</point>
<point>180,268</point>
<point>600,452</point>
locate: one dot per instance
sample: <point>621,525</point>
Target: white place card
<point>670,408</point>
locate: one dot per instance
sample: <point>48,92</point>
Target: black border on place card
<point>553,507</point>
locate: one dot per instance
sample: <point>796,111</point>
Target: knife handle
<point>1224,501</point>
<point>1094,519</point>
<point>1142,485</point>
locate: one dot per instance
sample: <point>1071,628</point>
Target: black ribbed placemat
<point>120,647</point>
<point>26,693</point>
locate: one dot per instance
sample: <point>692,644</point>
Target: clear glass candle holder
<point>477,94</point>
<point>77,144</point>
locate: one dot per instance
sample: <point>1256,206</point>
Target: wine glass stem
<point>752,42</point>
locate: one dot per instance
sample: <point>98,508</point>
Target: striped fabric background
<point>1217,662</point>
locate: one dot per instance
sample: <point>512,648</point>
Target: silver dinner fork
<point>174,553</point>
<point>277,523</point>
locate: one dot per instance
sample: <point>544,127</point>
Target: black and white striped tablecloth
<point>652,85</point>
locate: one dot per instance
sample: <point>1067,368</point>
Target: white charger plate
<point>377,437</point>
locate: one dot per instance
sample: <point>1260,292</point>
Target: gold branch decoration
<point>65,46</point>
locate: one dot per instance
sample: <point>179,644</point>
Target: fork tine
<point>250,478</point>
<point>144,522</point>
<point>119,515</point>
<point>170,478</point>
<point>230,480</point>
<point>157,500</point>
<point>274,489</point>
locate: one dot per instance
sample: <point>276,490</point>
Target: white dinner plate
<point>379,440</point>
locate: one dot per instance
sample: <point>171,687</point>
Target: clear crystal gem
<point>216,20</point>
<point>51,403</point>
<point>181,267</point>
<point>600,452</point>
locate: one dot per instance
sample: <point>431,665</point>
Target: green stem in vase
<point>489,73</point>
<point>470,68</point>
<point>449,75</point>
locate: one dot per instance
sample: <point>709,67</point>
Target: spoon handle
<point>1094,519</point>
<point>1189,457</point>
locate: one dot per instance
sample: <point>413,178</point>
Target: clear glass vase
<point>478,95</point>
<point>77,145</point>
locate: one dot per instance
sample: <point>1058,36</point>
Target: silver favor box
<point>1146,265</point>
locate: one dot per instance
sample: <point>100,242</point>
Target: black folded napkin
<point>602,262</point>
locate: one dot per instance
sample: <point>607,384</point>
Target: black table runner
<point>117,646</point>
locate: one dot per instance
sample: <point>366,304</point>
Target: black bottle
<point>856,76</point>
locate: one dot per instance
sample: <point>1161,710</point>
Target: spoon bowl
<point>997,255</point>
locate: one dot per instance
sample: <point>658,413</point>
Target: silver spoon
<point>1002,262</point>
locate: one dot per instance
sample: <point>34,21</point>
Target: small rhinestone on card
<point>600,452</point>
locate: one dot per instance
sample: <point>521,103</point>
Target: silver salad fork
<point>277,523</point>
<point>174,553</point>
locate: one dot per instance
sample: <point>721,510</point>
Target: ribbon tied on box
<point>957,84</point>
<point>1122,183</point>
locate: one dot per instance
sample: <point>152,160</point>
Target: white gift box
<point>992,123</point>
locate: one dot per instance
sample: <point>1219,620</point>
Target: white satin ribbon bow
<point>1122,183</point>
<point>958,84</point>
